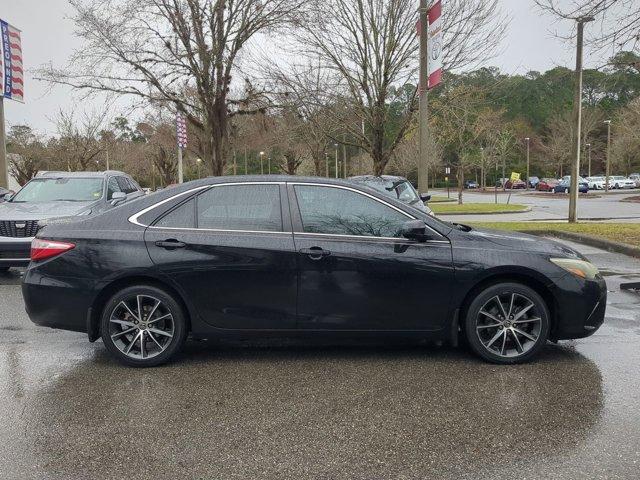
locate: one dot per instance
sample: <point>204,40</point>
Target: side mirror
<point>118,198</point>
<point>425,197</point>
<point>415,230</point>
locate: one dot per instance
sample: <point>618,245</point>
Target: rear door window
<point>240,207</point>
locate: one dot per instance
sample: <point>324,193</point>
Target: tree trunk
<point>460,175</point>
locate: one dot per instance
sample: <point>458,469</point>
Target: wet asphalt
<point>313,411</point>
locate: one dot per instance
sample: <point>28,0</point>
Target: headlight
<point>579,268</point>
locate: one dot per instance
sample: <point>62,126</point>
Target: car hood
<point>41,211</point>
<point>523,242</point>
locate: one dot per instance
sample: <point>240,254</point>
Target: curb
<point>592,241</point>
<point>445,214</point>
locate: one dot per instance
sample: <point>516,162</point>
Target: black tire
<point>522,292</point>
<point>169,305</point>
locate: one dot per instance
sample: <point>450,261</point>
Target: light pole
<point>589,160</point>
<point>269,164</point>
<point>482,172</point>
<point>577,122</point>
<point>337,169</point>
<point>326,162</point>
<point>198,162</point>
<point>527,179</point>
<point>261,163</point>
<point>608,166</point>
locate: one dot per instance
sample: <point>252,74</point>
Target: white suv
<point>596,183</point>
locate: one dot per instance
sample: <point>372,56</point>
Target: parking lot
<point>596,206</point>
<point>322,411</point>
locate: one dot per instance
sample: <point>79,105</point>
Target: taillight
<point>43,249</point>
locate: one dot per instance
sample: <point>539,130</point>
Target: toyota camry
<point>239,257</point>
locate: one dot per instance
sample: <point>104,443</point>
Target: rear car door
<point>357,272</point>
<point>230,250</point>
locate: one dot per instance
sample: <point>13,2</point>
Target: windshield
<point>60,189</point>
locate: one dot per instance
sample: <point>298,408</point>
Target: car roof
<point>384,178</point>
<point>62,174</point>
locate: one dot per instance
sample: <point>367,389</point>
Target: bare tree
<point>26,153</point>
<point>619,20</point>
<point>79,142</point>
<point>179,52</point>
<point>368,52</point>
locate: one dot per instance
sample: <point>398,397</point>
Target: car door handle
<point>171,244</point>
<point>315,253</point>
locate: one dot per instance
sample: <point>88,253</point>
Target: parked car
<point>501,182</point>
<point>515,185</point>
<point>533,182</point>
<point>293,256</point>
<point>547,184</point>
<point>54,195</point>
<point>636,179</point>
<point>471,184</point>
<point>619,182</point>
<point>3,193</point>
<point>395,187</point>
<point>596,183</point>
<point>564,186</point>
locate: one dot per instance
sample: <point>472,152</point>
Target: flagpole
<point>180,178</point>
<point>4,174</point>
<point>423,161</point>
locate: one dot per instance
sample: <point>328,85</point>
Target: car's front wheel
<point>507,323</point>
<point>143,326</point>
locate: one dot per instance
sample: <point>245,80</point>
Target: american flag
<point>181,130</point>
<point>11,73</point>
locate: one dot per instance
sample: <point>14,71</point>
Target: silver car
<point>57,195</point>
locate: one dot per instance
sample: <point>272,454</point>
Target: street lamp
<point>608,167</point>
<point>588,145</point>
<point>337,170</point>
<point>198,162</point>
<point>577,121</point>
<point>326,162</point>
<point>527,139</point>
<point>261,163</point>
<point>269,164</point>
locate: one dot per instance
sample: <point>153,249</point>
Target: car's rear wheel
<point>143,326</point>
<point>507,323</point>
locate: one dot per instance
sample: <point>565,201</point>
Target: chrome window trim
<point>344,187</point>
<point>134,218</point>
<point>368,238</point>
<point>221,230</point>
<point>23,259</point>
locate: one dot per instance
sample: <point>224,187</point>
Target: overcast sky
<point>47,36</point>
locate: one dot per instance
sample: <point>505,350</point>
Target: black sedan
<point>242,257</point>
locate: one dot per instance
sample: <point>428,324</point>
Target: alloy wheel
<point>141,327</point>
<point>509,325</point>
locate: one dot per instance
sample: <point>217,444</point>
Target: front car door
<point>230,250</point>
<point>357,272</point>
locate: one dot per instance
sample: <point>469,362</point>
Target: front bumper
<point>15,252</point>
<point>580,307</point>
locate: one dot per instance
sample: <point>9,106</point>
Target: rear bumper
<point>14,252</point>
<point>57,302</point>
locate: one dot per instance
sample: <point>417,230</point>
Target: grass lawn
<point>441,198</point>
<point>445,208</point>
<point>628,233</point>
